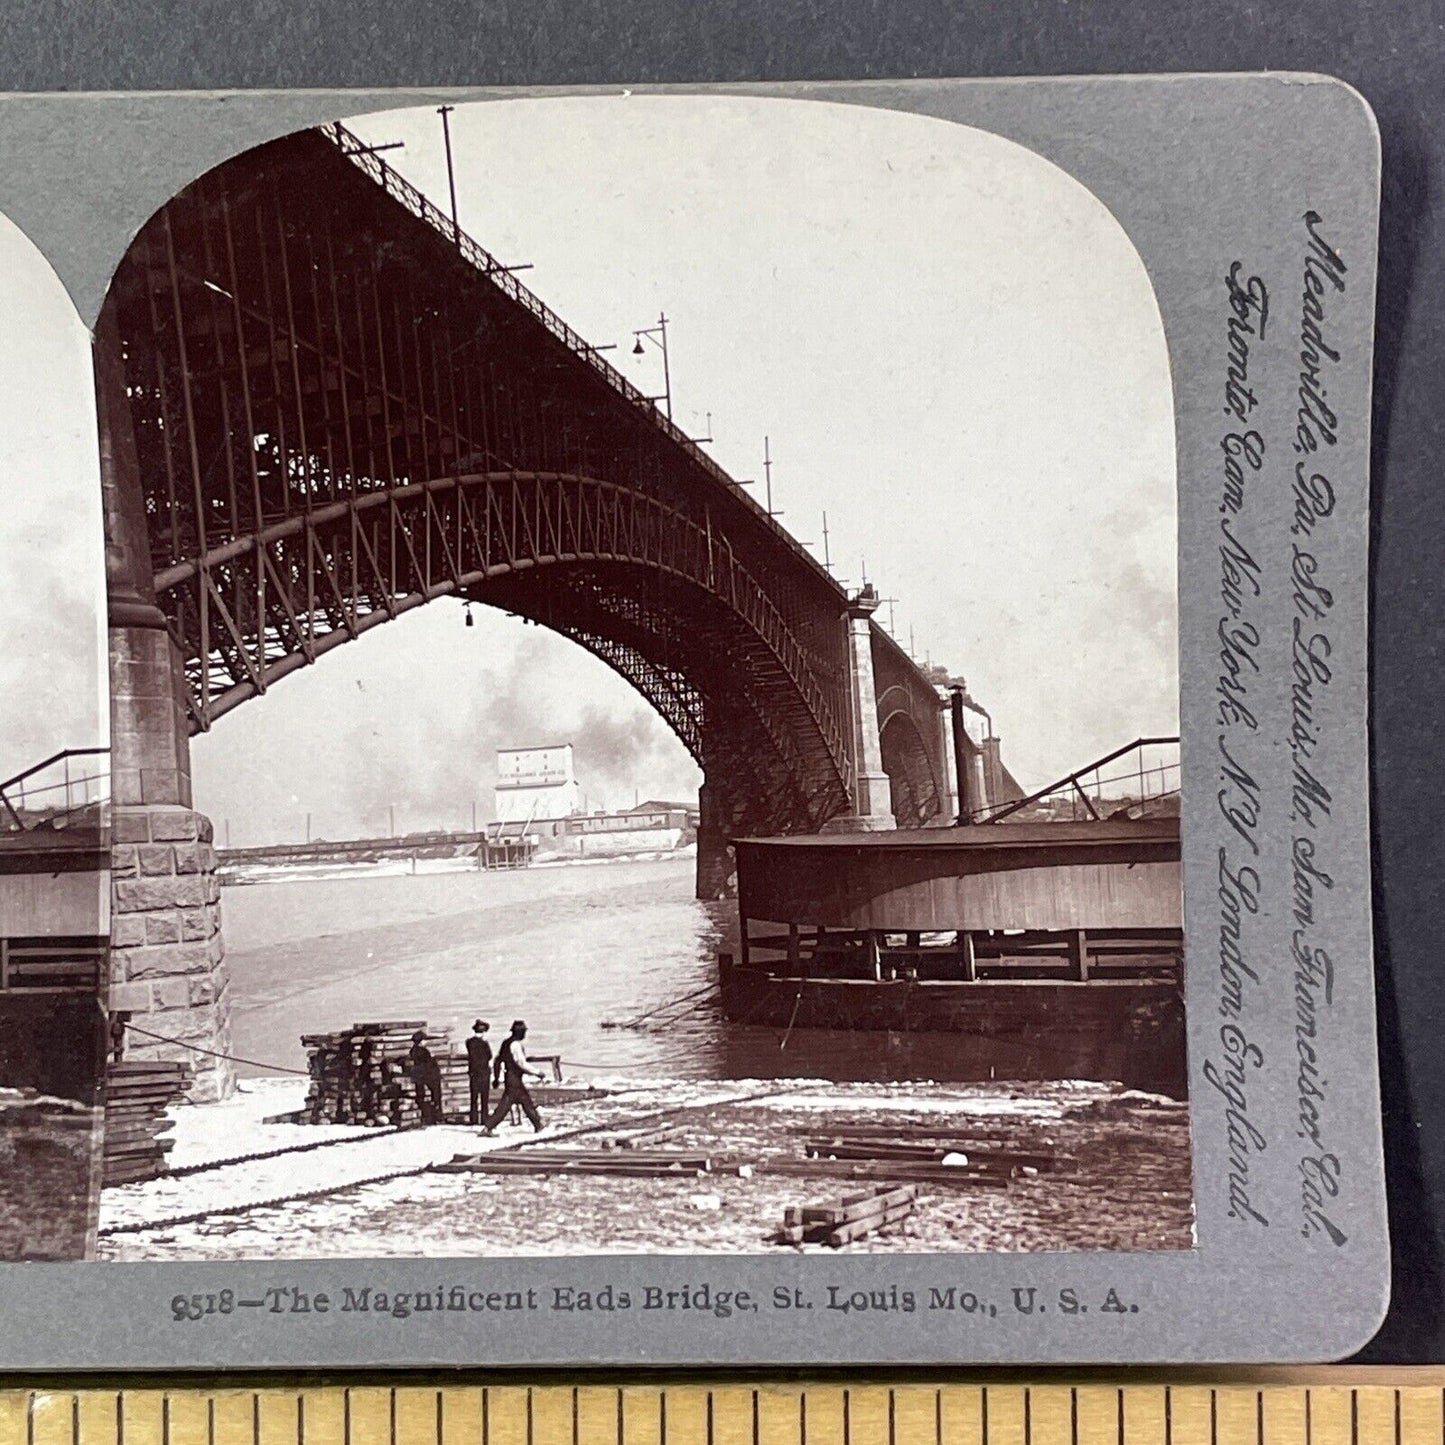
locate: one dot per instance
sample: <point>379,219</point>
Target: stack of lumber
<point>341,1092</point>
<point>628,1163</point>
<point>138,1092</point>
<point>853,1217</point>
<point>456,1081</point>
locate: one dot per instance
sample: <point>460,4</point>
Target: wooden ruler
<point>1295,1407</point>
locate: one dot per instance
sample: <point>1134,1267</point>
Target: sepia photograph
<point>594,675</point>
<point>54,724</point>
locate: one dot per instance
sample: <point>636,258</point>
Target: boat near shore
<point>1058,946</point>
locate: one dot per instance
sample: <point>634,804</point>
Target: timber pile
<point>628,1163</point>
<point>853,1217</point>
<point>343,1092</point>
<point>138,1092</point>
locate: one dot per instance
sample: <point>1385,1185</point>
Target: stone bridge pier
<point>167,960</point>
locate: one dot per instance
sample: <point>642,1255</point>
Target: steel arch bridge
<point>322,406</point>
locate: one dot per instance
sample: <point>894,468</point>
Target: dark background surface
<point>1393,51</point>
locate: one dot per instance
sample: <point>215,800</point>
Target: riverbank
<point>236,874</point>
<point>1120,1180</point>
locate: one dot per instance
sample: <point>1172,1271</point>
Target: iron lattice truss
<point>342,410</point>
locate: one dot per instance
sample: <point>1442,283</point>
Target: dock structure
<point>497,846</point>
<point>1058,944</point>
<point>55,874</point>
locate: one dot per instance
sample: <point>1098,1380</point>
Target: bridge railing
<point>400,189</point>
<point>1138,779</point>
<point>67,789</point>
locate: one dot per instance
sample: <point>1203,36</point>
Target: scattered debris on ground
<point>993,1167</point>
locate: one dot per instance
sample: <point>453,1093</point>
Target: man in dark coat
<point>426,1077</point>
<point>479,1071</point>
<point>512,1060</point>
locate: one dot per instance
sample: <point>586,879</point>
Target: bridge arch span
<point>918,791</point>
<point>658,597</point>
<point>322,406</point>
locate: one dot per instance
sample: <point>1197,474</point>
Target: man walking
<point>512,1059</point>
<point>426,1077</point>
<point>479,1071</point>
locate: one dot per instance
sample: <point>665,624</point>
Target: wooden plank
<point>859,1228</point>
<point>960,1178</point>
<point>848,1212</point>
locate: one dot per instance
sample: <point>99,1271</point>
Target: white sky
<point>52,561</point>
<point>954,349</point>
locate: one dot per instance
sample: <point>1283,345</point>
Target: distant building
<point>677,816</point>
<point>536,784</point>
<point>658,805</point>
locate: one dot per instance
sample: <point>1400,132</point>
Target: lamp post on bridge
<point>445,111</point>
<point>657,335</point>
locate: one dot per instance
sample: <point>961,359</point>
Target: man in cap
<point>426,1078</point>
<point>479,1071</point>
<point>512,1059</point>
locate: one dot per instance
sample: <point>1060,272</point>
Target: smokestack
<point>961,769</point>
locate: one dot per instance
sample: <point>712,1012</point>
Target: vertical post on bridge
<point>445,112</point>
<point>872,790</point>
<point>953,805</point>
<point>715,866</point>
<point>167,959</point>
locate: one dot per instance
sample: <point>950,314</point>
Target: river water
<point>575,950</point>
